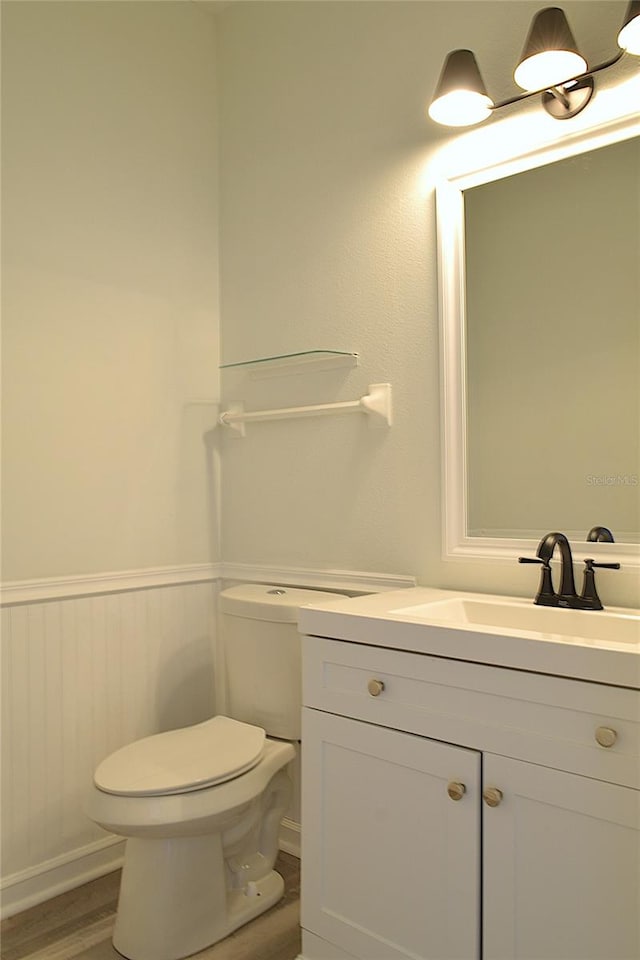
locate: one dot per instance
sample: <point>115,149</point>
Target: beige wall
<point>328,239</point>
<point>109,285</point>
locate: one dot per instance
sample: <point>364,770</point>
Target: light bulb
<point>549,69</point>
<point>460,108</point>
<point>629,36</point>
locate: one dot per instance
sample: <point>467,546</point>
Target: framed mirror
<point>540,322</point>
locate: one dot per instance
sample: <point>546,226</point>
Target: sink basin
<point>521,617</point>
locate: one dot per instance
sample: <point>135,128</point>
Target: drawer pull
<point>606,737</point>
<point>456,790</point>
<point>492,796</point>
<point>375,687</point>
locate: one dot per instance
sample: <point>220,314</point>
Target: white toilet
<point>201,806</point>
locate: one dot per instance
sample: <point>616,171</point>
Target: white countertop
<point>376,619</point>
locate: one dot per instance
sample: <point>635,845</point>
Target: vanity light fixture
<point>551,65</point>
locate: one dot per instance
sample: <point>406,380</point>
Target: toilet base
<point>245,905</point>
<point>197,865</point>
<point>173,904</point>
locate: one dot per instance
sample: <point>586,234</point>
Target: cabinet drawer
<point>582,727</point>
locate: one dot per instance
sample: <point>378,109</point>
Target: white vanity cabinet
<point>459,810</point>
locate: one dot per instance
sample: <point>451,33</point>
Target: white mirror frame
<point>457,545</point>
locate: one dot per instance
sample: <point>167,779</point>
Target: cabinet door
<point>390,863</point>
<point>561,866</point>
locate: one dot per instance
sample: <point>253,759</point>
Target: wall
<point>80,678</point>
<point>109,286</point>
<point>110,333</point>
<point>327,215</point>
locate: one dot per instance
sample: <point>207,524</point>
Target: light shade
<point>550,55</point>
<point>629,36</point>
<point>461,98</point>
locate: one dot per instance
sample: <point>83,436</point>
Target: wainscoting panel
<point>81,677</point>
<point>91,663</point>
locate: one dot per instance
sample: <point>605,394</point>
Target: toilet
<point>201,806</point>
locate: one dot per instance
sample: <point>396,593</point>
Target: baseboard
<point>315,948</point>
<point>289,840</point>
<point>37,884</point>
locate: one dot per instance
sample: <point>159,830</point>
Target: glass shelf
<point>295,362</point>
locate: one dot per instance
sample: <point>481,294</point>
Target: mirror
<point>540,308</point>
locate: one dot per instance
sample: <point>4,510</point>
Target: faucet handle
<point>544,563</point>
<point>590,564</point>
<point>589,596</point>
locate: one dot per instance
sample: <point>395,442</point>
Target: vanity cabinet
<point>457,810</point>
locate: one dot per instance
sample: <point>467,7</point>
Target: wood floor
<point>77,926</point>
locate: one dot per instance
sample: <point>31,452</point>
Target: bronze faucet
<point>567,597</point>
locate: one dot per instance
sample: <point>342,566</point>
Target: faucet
<point>545,552</point>
<point>567,597</point>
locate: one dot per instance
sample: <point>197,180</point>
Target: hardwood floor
<point>77,926</point>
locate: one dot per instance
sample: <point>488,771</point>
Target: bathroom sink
<point>598,645</point>
<point>526,618</point>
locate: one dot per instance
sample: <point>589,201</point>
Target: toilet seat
<point>180,761</point>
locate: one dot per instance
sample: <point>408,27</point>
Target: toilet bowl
<point>199,859</point>
<point>201,807</point>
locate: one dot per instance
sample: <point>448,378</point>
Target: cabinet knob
<point>456,790</point>
<point>375,687</point>
<point>492,796</point>
<point>605,736</point>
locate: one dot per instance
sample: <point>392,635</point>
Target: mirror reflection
<point>552,348</point>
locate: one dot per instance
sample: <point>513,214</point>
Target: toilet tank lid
<point>261,601</point>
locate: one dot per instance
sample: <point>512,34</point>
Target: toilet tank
<point>261,650</point>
